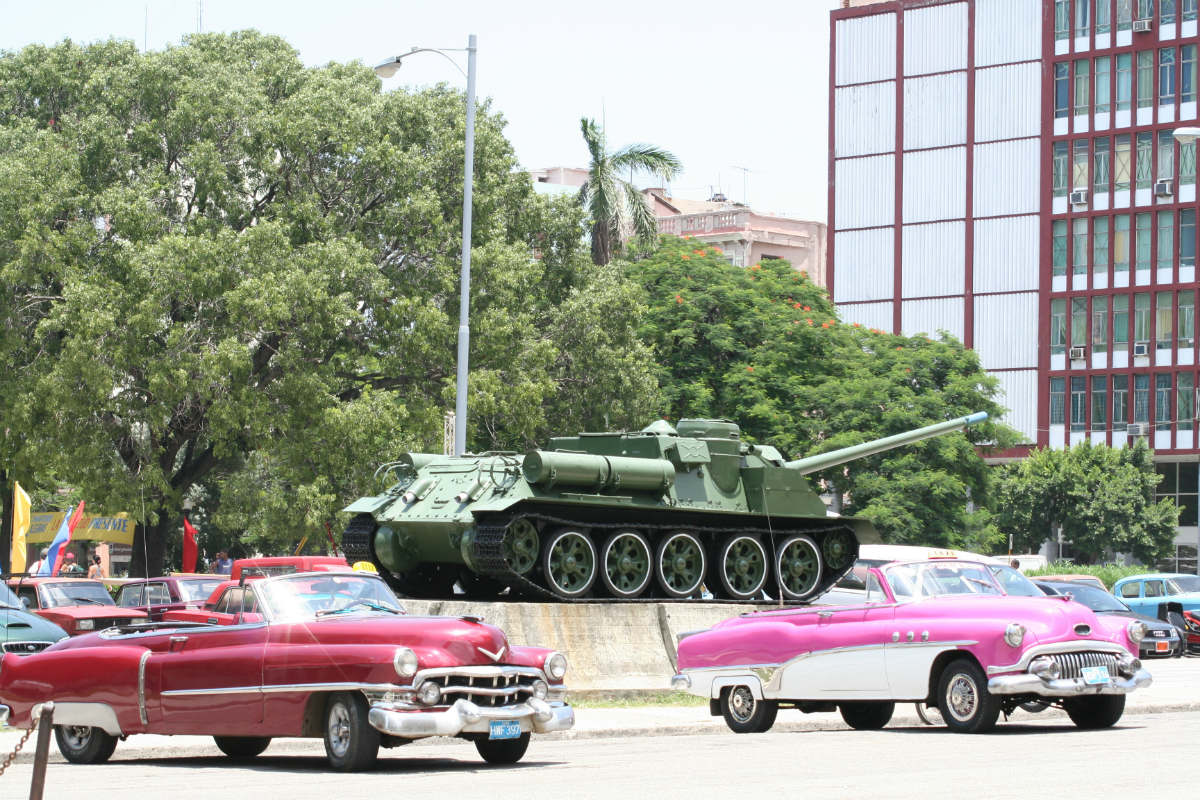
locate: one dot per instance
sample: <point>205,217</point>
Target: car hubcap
<point>627,563</point>
<point>521,546</point>
<point>339,729</point>
<point>77,736</point>
<point>961,698</point>
<point>572,563</point>
<point>682,564</point>
<point>741,704</point>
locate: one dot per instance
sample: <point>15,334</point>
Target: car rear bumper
<point>1026,683</point>
<point>535,716</point>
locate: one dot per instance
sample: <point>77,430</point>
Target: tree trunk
<point>6,523</point>
<point>601,243</point>
<point>148,547</point>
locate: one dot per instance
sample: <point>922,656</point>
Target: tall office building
<point>1008,171</point>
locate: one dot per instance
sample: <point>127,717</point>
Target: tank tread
<point>489,559</point>
<point>356,539</point>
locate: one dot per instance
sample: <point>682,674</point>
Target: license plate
<point>1093,676</point>
<point>504,729</point>
<point>1162,647</point>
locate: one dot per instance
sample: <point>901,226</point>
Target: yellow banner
<point>20,528</point>
<point>45,524</point>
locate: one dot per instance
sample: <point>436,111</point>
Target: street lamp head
<point>388,68</point>
<point>1186,135</point>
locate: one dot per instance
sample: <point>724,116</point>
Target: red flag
<point>190,552</point>
<point>58,548</point>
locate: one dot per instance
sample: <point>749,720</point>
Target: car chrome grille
<point>485,690</point>
<point>25,647</point>
<point>1072,664</point>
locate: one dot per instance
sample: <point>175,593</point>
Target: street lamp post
<point>386,70</point>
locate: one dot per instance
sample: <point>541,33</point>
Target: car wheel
<point>351,744</point>
<point>867,716</point>
<point>503,751</point>
<point>83,744</point>
<point>242,748</point>
<point>1098,711</point>
<point>744,713</point>
<point>964,700</point>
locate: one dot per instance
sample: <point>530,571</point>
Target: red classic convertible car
<point>329,655</point>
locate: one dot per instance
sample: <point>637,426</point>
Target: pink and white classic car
<point>940,633</point>
<point>324,655</point>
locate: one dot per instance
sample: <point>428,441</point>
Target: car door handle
<point>824,613</point>
<point>177,643</point>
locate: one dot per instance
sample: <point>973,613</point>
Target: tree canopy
<point>1103,498</point>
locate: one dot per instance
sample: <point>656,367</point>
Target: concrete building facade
<point>1006,171</point>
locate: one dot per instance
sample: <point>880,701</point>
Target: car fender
<point>746,679</point>
<point>102,685</point>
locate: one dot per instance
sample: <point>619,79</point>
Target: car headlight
<point>429,693</point>
<point>85,625</point>
<point>556,666</point>
<point>405,662</point>
<point>540,689</point>
<point>1045,668</point>
<point>1137,631</point>
<point>1014,634</point>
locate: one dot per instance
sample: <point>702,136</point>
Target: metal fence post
<point>45,723</point>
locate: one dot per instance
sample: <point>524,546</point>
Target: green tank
<point>667,512</point>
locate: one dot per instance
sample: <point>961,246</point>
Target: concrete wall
<point>608,645</point>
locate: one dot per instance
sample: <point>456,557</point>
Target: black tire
<point>351,744</point>
<point>1095,712</point>
<point>83,744</point>
<point>503,751</point>
<point>964,700</point>
<point>867,716</point>
<point>743,713</point>
<point>242,748</point>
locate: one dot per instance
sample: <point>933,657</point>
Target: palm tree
<point>616,206</point>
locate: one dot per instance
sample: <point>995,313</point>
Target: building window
<point>1179,483</point>
<point>1079,164</point>
<point>1103,89</point>
<point>1058,399</point>
<point>1103,18</point>
<point>1187,318</point>
<point>1166,156</point>
<point>1166,239</point>
<point>1121,163</point>
<point>1058,251</point>
<point>1166,12</point>
<point>1141,241</point>
<point>1083,21</point>
<point>1121,322</point>
<point>1120,246</point>
<point>1079,246</point>
<point>1187,163</point>
<point>1166,76</point>
<point>1124,15</point>
<point>1185,397</point>
<point>1062,19</point>
<point>1083,88</point>
<point>1187,237</point>
<point>1100,245</point>
<point>1078,403</point>
<point>1188,9</point>
<point>1187,73</point>
<point>1124,81</point>
<point>1145,160</point>
<point>1145,9</point>
<point>1100,165</point>
<point>1058,327</point>
<point>1145,78</point>
<point>1099,402</point>
<point>1062,90</point>
<point>1100,324</point>
<point>1120,402</point>
<point>1079,321</point>
<point>1141,398</point>
<point>1163,317</point>
<point>1162,400</point>
<point>1141,318</point>
<point>1060,166</point>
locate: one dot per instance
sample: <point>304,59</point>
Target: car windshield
<point>306,595</point>
<point>938,578</point>
<point>7,598</point>
<point>75,593</point>
<point>1183,583</point>
<point>1090,596</point>
<point>198,589</point>
<point>1014,582</point>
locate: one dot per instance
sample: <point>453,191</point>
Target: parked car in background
<point>1090,580</point>
<point>266,566</point>
<point>156,596</point>
<point>852,586</point>
<point>1162,638</point>
<point>938,632</point>
<point>330,655</point>
<point>21,631</point>
<point>77,605</point>
<point>1144,593</point>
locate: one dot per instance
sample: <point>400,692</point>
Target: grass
<point>598,698</point>
<point>1108,573</point>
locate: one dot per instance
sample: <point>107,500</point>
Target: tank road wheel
<point>521,546</point>
<point>743,567</point>
<point>626,561</point>
<point>680,564</point>
<point>1098,711</point>
<point>83,744</point>
<point>964,700</point>
<point>798,567</point>
<point>569,562</point>
<point>838,550</point>
<point>743,713</point>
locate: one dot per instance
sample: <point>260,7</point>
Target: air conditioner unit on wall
<point>1164,188</point>
<point>1078,353</point>
<point>1137,428</point>
<point>1141,348</point>
<point>1079,197</point>
<point>1141,25</point>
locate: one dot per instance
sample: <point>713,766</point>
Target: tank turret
<point>665,512</point>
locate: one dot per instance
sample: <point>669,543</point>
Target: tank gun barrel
<point>834,457</point>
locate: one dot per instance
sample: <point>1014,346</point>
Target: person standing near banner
<point>36,566</point>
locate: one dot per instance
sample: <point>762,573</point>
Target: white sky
<point>722,85</point>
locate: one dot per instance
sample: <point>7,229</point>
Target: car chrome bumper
<point>1026,683</point>
<point>535,716</point>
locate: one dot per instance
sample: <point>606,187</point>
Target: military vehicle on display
<point>666,512</point>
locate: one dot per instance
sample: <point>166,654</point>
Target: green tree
<point>1103,498</point>
<point>763,346</point>
<point>616,207</point>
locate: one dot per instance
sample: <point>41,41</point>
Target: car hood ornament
<point>496,656</point>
